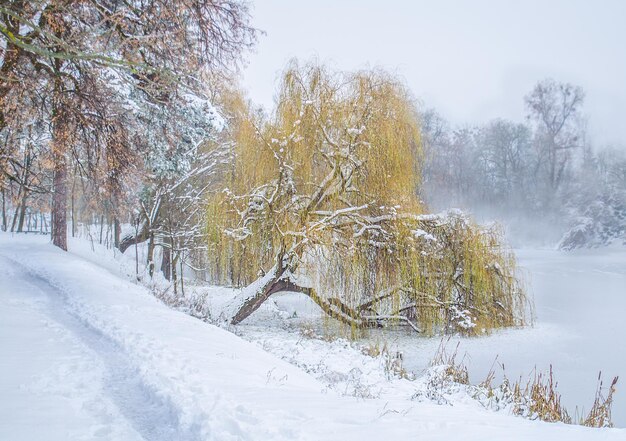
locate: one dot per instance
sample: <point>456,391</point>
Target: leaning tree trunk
<point>141,235</point>
<point>253,296</point>
<point>277,280</point>
<point>147,227</point>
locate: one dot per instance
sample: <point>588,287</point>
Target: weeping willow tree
<point>321,200</point>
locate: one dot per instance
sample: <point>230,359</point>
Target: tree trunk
<point>166,261</point>
<point>60,141</point>
<point>277,280</point>
<point>257,293</point>
<point>20,190</point>
<point>117,232</point>
<point>73,208</point>
<point>59,198</point>
<point>150,257</point>
<point>174,275</point>
<point>23,192</point>
<point>141,235</point>
<point>20,222</point>
<point>274,282</point>
<point>4,211</point>
<point>182,279</point>
<point>253,296</point>
<point>136,250</point>
<point>101,227</point>
<point>14,222</point>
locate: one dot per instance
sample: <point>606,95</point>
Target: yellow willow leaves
<point>351,142</point>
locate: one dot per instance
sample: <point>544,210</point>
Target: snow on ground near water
<point>89,355</point>
<point>580,300</point>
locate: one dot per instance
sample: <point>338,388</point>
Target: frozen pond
<point>580,300</point>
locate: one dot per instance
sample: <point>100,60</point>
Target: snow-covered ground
<point>580,300</point>
<point>86,354</point>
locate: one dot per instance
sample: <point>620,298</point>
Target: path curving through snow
<point>148,413</point>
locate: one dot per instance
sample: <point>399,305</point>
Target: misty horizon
<point>471,63</point>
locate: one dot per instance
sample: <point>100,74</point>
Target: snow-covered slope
<point>87,355</point>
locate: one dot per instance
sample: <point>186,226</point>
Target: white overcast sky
<point>472,60</point>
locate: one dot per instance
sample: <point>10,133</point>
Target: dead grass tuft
<point>537,398</point>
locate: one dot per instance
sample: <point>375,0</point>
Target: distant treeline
<point>545,169</point>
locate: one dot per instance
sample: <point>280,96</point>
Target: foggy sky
<point>471,60</point>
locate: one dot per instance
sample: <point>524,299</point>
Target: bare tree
<point>555,109</point>
<point>504,152</point>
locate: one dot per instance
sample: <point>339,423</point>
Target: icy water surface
<point>580,300</point>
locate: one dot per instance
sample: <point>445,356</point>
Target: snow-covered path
<point>118,381</point>
<point>52,383</point>
<point>87,355</point>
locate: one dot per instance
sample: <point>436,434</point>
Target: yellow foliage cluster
<point>332,178</point>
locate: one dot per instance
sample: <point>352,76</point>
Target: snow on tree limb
<point>324,191</point>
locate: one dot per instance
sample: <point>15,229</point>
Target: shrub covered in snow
<point>603,221</point>
<point>599,210</point>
